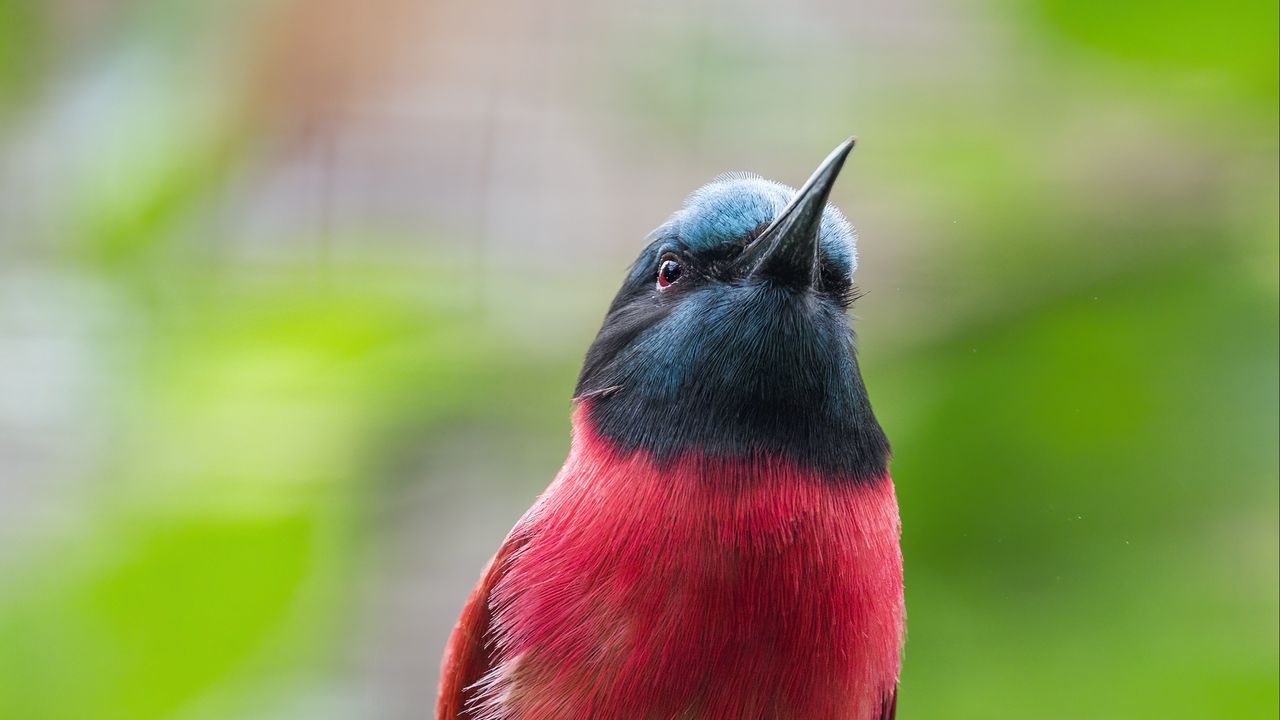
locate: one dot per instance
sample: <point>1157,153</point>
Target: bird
<point>723,539</point>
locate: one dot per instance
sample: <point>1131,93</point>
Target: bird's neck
<point>728,464</point>
<point>821,422</point>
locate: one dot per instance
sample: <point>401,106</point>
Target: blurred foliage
<point>222,539</point>
<point>1076,466</point>
<point>1081,383</point>
<point>22,50</point>
<point>1233,45</point>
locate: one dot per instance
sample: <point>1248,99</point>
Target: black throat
<point>736,371</point>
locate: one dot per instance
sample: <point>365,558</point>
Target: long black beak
<point>786,253</point>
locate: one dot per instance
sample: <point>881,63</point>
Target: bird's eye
<point>669,269</point>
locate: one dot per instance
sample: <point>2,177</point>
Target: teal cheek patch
<point>732,206</point>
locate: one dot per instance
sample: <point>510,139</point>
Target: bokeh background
<point>293,295</point>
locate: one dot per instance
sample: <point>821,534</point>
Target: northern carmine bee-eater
<point>722,542</point>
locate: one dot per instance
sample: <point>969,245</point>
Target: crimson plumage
<point>707,589</point>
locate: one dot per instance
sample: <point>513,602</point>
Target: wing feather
<point>468,656</point>
<point>889,706</point>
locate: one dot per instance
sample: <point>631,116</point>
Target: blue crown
<point>734,204</point>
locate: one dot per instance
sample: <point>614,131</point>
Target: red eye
<point>669,270</point>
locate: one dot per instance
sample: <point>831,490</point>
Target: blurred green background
<point>293,295</point>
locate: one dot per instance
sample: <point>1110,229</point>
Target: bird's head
<point>730,336</point>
